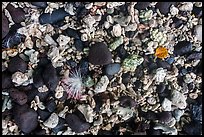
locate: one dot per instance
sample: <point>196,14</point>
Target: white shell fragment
<point>87,111</point>
<point>43,88</point>
<point>178,99</point>
<point>48,39</point>
<point>102,84</point>
<point>52,121</point>
<point>19,78</point>
<point>166,129</point>
<point>187,6</point>
<point>160,75</point>
<point>166,105</point>
<point>63,40</point>
<point>124,113</point>
<point>59,91</point>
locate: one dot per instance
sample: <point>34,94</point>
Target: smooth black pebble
<point>50,77</point>
<point>17,96</point>
<point>182,47</point>
<point>99,54</point>
<point>5,25</point>
<point>17,64</point>
<point>25,118</point>
<point>17,14</point>
<point>55,16</point>
<point>76,124</point>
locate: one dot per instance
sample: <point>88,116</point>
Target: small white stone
<point>102,84</point>
<point>52,121</point>
<point>166,129</point>
<point>178,99</point>
<point>198,32</point>
<point>106,24</point>
<point>89,5</point>
<point>124,113</point>
<point>110,19</point>
<point>173,10</point>
<point>188,79</point>
<point>160,74</point>
<point>117,30</point>
<point>177,114</point>
<point>166,105</point>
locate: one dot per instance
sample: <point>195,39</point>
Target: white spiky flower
<point>72,83</point>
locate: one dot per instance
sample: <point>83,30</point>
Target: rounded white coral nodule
<point>72,84</point>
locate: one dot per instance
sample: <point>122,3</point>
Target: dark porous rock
<point>13,39</point>
<point>31,94</point>
<point>98,101</point>
<point>43,62</point>
<point>84,66</point>
<point>54,17</point>
<point>164,7</point>
<point>195,56</point>
<point>5,25</point>
<point>51,105</point>
<point>99,54</point>
<point>76,124</point>
<point>193,128</point>
<point>154,132</point>
<point>161,88</point>
<point>176,22</point>
<point>60,126</point>
<point>163,64</point>
<point>137,85</point>
<point>78,45</point>
<point>17,14</point>
<point>72,33</point>
<point>71,63</point>
<point>149,115</point>
<point>17,96</point>
<point>197,112</point>
<point>6,80</point>
<point>50,77</point>
<point>121,52</point>
<point>39,4</point>
<point>44,95</point>
<point>37,78</point>
<point>182,47</point>
<point>142,5</point>
<point>39,132</point>
<point>104,132</point>
<point>17,64</point>
<point>44,114</point>
<point>129,34</point>
<point>164,116</point>
<point>25,118</point>
<point>139,73</point>
<point>126,78</point>
<point>127,101</point>
<point>81,12</point>
<point>197,11</point>
<point>112,69</point>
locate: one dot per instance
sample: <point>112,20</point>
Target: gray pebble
<point>112,69</point>
<point>198,32</point>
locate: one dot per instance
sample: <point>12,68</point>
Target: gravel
<point>130,68</point>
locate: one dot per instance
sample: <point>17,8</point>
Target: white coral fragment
<point>102,84</point>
